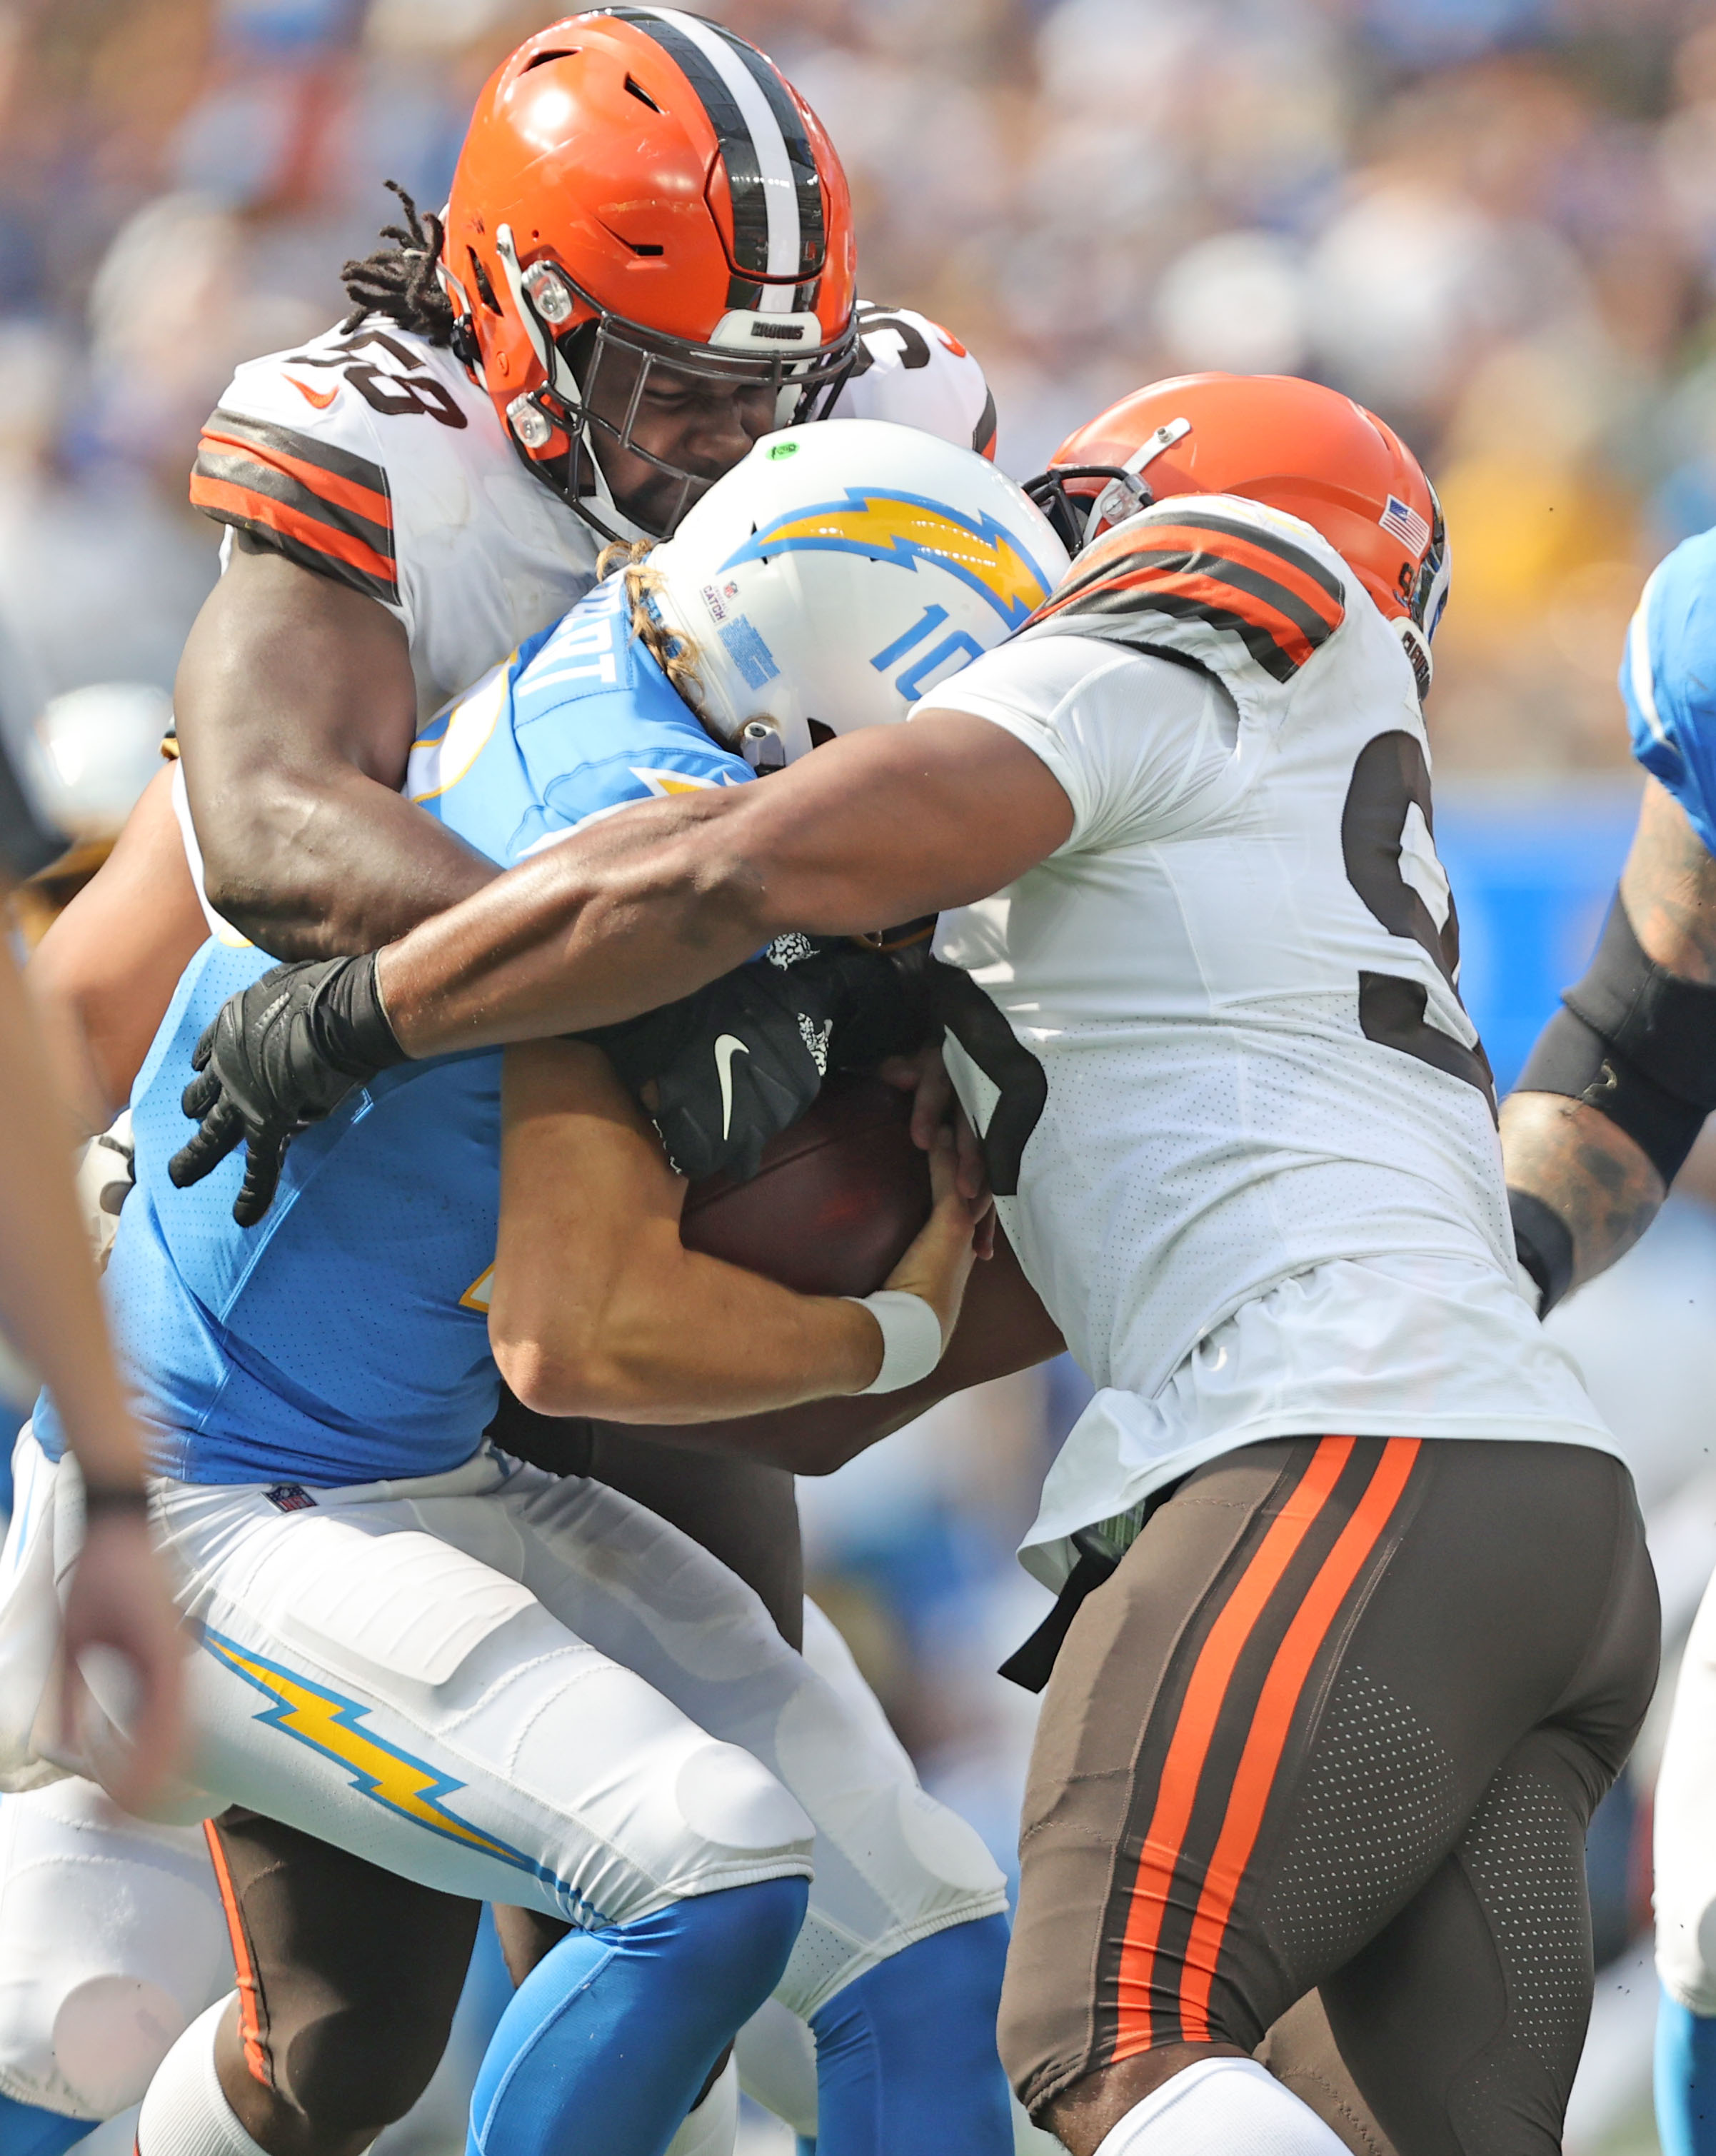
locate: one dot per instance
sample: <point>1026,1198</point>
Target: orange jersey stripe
<point>1256,561</point>
<point>220,493</point>
<point>1249,554</point>
<point>345,493</point>
<point>1208,595</point>
<point>249,1992</point>
<point>1266,1740</point>
<point>1193,1731</point>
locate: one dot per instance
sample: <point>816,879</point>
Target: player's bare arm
<point>1569,1155</point>
<point>104,973</point>
<point>598,1308</point>
<point>882,826</point>
<point>118,1597</point>
<point>296,710</point>
<point>1003,1328</point>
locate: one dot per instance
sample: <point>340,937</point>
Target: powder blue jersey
<point>1668,679</point>
<point>345,1338</point>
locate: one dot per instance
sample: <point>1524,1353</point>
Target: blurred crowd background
<point>1494,221</point>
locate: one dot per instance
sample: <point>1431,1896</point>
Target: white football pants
<point>510,1686</point>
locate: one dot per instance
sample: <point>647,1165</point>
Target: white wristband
<point>911,1337</point>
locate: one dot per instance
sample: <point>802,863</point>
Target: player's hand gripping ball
<point>834,1204</point>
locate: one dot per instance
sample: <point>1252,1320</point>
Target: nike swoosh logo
<point>727,1046</point>
<point>321,398</point>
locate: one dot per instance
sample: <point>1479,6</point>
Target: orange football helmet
<point>640,189</point>
<point>1297,446</point>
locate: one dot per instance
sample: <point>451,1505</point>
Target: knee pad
<point>892,1865</point>
<point>112,1941</point>
<point>1685,1955</point>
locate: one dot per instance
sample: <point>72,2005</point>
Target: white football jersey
<point>1241,1128</point>
<point>373,456</point>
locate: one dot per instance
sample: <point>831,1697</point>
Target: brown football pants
<point>1337,1723</point>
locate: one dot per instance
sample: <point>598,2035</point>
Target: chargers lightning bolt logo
<point>412,1789</point>
<point>906,527</point>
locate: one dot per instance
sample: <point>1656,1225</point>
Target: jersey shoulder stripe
<point>1197,565</point>
<point>321,505</point>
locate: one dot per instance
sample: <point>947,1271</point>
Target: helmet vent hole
<point>480,277</point>
<point>643,97</point>
<point>541,59</point>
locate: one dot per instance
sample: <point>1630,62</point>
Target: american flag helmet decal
<point>1407,526</point>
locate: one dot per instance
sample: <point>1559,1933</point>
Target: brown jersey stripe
<point>1237,554</point>
<point>1278,646</point>
<point>369,504</point>
<point>1254,571</point>
<point>1194,1733</point>
<point>1218,538</point>
<point>1284,550</point>
<point>237,472</point>
<point>1282,602</point>
<point>307,540</point>
<point>1218,587</point>
<point>271,441</point>
<point>1273,1718</point>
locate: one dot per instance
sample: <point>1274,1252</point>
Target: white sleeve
<point>1126,735</point>
<point>912,372</point>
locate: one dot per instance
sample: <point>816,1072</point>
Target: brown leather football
<point>834,1205</point>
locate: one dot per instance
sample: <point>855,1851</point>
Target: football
<point>837,1199</point>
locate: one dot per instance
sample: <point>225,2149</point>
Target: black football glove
<point>740,1059</point>
<point>279,1056</point>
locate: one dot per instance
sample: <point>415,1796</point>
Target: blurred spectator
<point>1495,220</point>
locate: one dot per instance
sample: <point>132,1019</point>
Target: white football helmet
<point>842,572</point>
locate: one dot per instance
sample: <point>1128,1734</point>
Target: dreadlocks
<point>675,655</point>
<point>400,281</point>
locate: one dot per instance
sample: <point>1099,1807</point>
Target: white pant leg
<point>112,1941</point>
<point>408,1695</point>
<point>505,1587</point>
<point>892,1865</point>
<point>1686,1826</point>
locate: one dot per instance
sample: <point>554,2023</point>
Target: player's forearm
<point>102,976</point>
<point>637,913</point>
<point>884,825</point>
<point>1588,1172</point>
<point>682,1338</point>
<point>1618,1082</point>
<point>48,1302</point>
<point>1003,1328</point>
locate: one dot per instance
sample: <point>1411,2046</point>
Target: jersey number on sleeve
<point>392,394</point>
<point>1386,827</point>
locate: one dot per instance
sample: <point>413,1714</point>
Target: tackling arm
<point>882,826</point>
<point>1602,1172</point>
<point>296,709</point>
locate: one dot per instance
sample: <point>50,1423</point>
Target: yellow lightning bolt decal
<point>980,552</point>
<point>333,1725</point>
